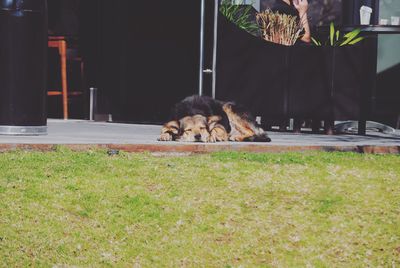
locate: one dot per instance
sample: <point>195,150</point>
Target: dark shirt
<point>283,8</point>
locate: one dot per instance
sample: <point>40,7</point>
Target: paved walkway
<point>82,135</point>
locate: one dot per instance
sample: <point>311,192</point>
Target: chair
<point>60,42</point>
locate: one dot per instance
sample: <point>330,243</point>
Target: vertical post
<point>93,103</point>
<point>215,46</point>
<point>368,93</point>
<point>376,6</point>
<point>202,25</point>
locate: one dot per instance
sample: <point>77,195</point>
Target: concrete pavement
<point>81,135</point>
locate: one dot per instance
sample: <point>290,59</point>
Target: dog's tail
<point>260,136</point>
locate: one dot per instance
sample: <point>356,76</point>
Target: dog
<point>204,119</point>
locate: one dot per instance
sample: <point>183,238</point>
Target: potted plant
<point>347,65</point>
<point>327,81</point>
<point>269,74</point>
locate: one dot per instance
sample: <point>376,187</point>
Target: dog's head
<point>194,129</point>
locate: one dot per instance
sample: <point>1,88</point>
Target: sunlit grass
<point>218,210</point>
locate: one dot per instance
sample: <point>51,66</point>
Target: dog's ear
<point>213,120</point>
<point>170,131</point>
<point>171,127</point>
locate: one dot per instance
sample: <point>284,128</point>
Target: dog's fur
<point>203,119</point>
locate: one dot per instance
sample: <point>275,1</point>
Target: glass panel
<point>255,3</point>
<point>388,56</point>
<point>389,12</point>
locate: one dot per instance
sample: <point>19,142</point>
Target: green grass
<point>219,210</point>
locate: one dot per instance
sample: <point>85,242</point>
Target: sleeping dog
<point>203,119</point>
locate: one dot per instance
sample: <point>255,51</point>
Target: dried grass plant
<point>279,28</point>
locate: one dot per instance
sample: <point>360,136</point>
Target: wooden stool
<point>60,43</point>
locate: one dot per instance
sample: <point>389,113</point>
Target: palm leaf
<point>350,36</point>
<point>316,42</point>
<point>332,33</point>
<point>357,40</point>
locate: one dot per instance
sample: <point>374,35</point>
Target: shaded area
<point>147,56</point>
<point>387,97</point>
<point>141,55</point>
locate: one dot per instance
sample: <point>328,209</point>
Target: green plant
<point>240,15</point>
<point>337,39</point>
<point>279,28</point>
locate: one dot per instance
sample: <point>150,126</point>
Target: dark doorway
<point>143,56</point>
<point>148,56</point>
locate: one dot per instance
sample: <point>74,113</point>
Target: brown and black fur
<point>203,119</point>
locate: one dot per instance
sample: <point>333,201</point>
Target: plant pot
<point>307,81</point>
<point>345,71</point>
<point>251,71</point>
<point>279,82</point>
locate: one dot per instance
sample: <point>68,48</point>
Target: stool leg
<point>63,54</point>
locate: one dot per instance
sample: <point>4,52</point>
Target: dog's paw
<point>235,138</point>
<point>165,137</point>
<point>219,134</point>
<point>211,139</point>
<point>218,138</point>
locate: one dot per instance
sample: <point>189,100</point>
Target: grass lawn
<point>218,210</point>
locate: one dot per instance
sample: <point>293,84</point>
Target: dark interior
<point>141,55</point>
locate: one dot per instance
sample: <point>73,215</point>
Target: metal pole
<point>202,19</point>
<point>215,46</point>
<point>93,103</point>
